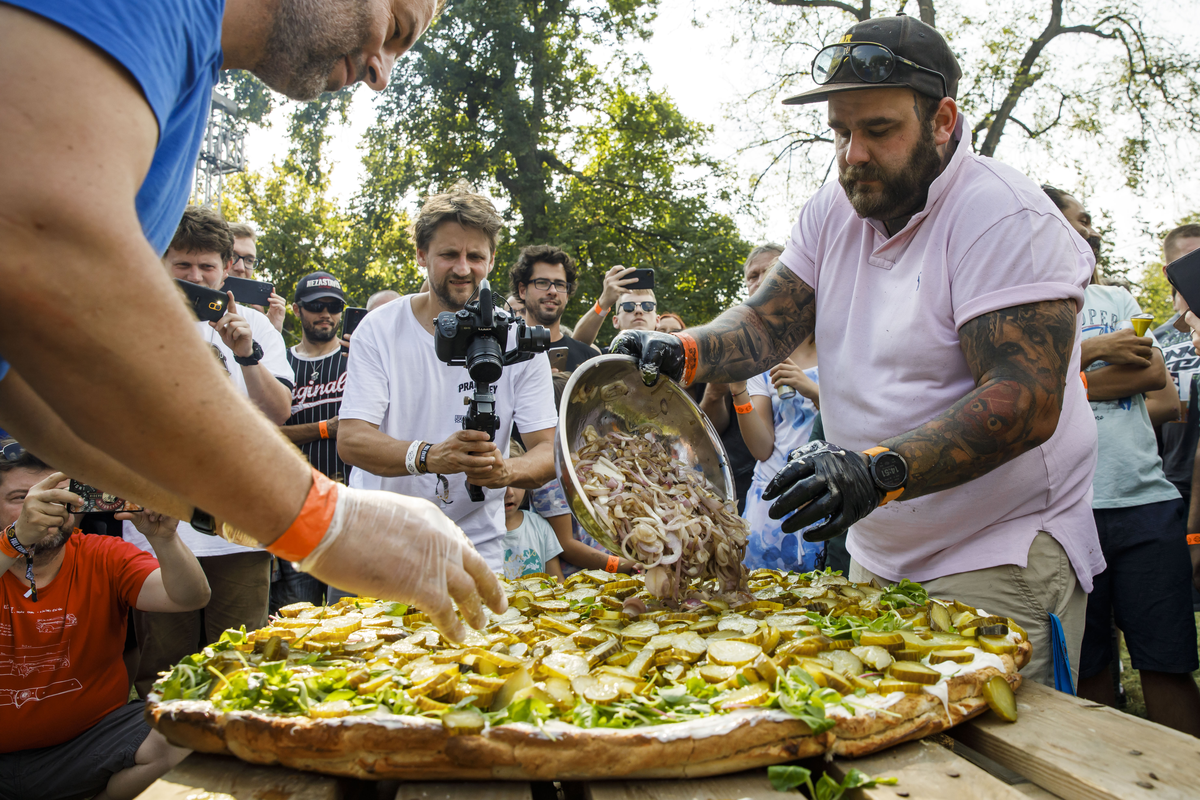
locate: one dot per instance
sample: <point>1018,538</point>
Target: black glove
<point>657,353</point>
<point>833,482</point>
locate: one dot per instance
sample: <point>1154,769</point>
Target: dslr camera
<point>476,337</point>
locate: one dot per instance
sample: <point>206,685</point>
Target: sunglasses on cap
<point>871,62</point>
<point>317,306</point>
<point>647,305</point>
<point>13,451</point>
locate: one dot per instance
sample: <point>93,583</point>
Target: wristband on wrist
<point>309,527</point>
<point>745,408</point>
<point>613,564</point>
<point>1193,538</point>
<point>1083,377</point>
<point>6,547</point>
<point>410,458</point>
<point>422,467</point>
<point>691,357</point>
<point>600,312</point>
<point>323,427</point>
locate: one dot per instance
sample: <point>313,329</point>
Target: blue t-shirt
<point>172,48</point>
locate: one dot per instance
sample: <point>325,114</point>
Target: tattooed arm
<point>1019,357</point>
<point>751,338</point>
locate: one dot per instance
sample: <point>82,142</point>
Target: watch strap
<point>256,355</point>
<point>888,496</point>
<point>203,522</point>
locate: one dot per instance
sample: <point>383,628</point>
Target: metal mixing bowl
<point>665,405</point>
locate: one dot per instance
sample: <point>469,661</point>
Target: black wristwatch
<point>256,355</point>
<point>889,470</point>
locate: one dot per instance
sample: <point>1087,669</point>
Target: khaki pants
<point>241,586</point>
<point>1046,586</point>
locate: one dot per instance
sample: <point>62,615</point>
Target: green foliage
<point>1153,293</point>
<point>784,778</point>
<point>253,99</point>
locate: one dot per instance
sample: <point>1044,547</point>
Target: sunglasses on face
<point>317,306</point>
<point>871,62</point>
<point>544,284</point>
<point>647,306</point>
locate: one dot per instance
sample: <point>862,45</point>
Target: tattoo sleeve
<point>1019,357</point>
<point>751,338</point>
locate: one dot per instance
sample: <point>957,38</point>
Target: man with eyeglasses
<point>245,261</point>
<point>943,289</point>
<point>543,280</point>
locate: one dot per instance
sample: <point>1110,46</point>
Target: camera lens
<point>485,359</point>
<point>533,339</point>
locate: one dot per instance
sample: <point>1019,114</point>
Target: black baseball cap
<point>318,285</point>
<point>908,38</point>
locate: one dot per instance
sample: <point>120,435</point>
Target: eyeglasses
<point>871,62</point>
<point>317,306</point>
<point>249,261</point>
<point>544,284</point>
<point>12,452</point>
<point>647,306</point>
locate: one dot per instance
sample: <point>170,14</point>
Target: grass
<point>1132,683</point>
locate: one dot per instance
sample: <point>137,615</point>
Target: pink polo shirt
<point>888,314</point>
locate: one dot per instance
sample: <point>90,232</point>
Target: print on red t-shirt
<point>60,658</point>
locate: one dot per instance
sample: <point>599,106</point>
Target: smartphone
<point>96,500</point>
<point>1184,275</point>
<point>248,292</point>
<point>350,319</point>
<point>558,358</point>
<point>645,280</point>
<point>209,304</point>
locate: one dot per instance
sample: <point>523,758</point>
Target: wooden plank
<point>467,790</point>
<point>927,771</point>
<point>749,785</point>
<point>1078,749</point>
<point>228,778</point>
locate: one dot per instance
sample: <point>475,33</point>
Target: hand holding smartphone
<point>208,304</point>
<point>96,500</point>
<point>248,292</point>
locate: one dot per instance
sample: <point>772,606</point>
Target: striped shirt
<point>317,396</point>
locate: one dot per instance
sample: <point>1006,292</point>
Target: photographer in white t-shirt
<point>402,410</point>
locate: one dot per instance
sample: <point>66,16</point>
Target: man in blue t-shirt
<point>104,106</point>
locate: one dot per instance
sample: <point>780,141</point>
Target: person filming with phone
<point>69,730</point>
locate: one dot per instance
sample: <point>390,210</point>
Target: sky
<point>705,76</point>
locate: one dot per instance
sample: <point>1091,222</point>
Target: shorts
<point>1146,589</point>
<point>78,768</point>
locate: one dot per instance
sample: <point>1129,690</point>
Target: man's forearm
<point>1119,381</point>
<point>714,406</point>
<point>588,326</point>
<point>362,445</point>
<point>749,339</point>
<point>272,397</point>
<point>183,577</point>
<point>303,433</point>
<point>534,469</point>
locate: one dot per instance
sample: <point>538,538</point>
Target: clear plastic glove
<point>657,353</point>
<point>395,547</point>
<point>823,481</point>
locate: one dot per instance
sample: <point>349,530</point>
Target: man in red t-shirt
<point>66,728</point>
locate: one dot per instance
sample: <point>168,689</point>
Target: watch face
<point>890,471</point>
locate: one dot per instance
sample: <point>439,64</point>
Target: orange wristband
<point>691,357</point>
<point>1193,538</point>
<point>613,564</point>
<point>323,427</point>
<point>1083,377</point>
<point>6,546</point>
<point>744,409</point>
<point>309,527</point>
<point>600,312</point>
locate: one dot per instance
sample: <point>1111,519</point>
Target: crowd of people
<point>989,422</point>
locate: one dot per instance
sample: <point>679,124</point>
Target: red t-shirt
<point>61,669</point>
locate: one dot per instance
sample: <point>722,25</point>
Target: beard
<point>315,334</point>
<point>308,39</point>
<point>902,192</point>
<point>444,293</point>
<point>52,543</point>
<point>538,315</point>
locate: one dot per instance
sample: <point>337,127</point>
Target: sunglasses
<point>647,305</point>
<point>12,452</point>
<point>871,62</point>
<point>317,306</point>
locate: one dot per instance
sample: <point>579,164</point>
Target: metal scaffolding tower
<point>223,151</point>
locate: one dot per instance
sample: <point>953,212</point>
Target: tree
<point>508,95</point>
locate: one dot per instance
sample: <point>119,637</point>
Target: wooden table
<point>1062,747</point>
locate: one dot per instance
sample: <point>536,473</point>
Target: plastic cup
<point>1141,323</point>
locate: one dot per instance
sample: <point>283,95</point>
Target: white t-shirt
<point>275,360</point>
<point>396,381</point>
<point>529,547</point>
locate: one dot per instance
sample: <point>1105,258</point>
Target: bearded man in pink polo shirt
<point>943,289</point>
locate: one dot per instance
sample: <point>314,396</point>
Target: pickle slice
<point>717,673</point>
<point>889,685</point>
<point>734,653</point>
<point>340,708</point>
<point>957,656</point>
<point>914,672</point>
<point>999,696</point>
<point>939,616</point>
<point>997,645</point>
<point>753,695</point>
<point>463,722</point>
<point>890,640</point>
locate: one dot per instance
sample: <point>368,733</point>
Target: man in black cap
<point>943,288</point>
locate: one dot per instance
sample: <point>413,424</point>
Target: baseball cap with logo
<point>318,285</point>
<point>913,54</point>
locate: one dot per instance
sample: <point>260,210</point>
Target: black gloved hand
<point>833,482</point>
<point>657,353</point>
